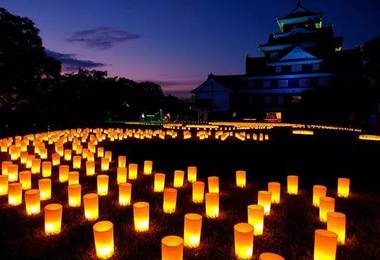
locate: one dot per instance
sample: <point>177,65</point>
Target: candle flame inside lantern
<point>192,174</point>
<point>125,192</point>
<point>32,202</point>
<point>343,187</point>
<point>159,182</point>
<point>14,194</point>
<point>275,189</point>
<point>74,195</point>
<point>170,200</point>
<point>91,206</point>
<point>192,230</point>
<point>122,161</point>
<point>243,236</point>
<point>292,181</point>
<point>178,178</point>
<point>198,191</point>
<point>148,166</point>
<point>132,171</point>
<point>212,204</point>
<point>63,173</point>
<point>104,239</point>
<point>121,175</point>
<point>53,219</point>
<point>256,218</point>
<point>44,185</point>
<point>102,184</point>
<point>141,216</point>
<point>90,168</point>
<point>241,178</point>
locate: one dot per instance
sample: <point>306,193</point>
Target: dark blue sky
<point>177,42</point>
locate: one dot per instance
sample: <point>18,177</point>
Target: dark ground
<point>289,230</point>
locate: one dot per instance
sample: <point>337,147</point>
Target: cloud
<point>70,62</point>
<point>102,37</point>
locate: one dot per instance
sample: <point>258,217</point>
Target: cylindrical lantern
<point>270,256</point>
<point>122,161</point>
<point>318,192</point>
<point>53,219</point>
<point>90,168</point>
<point>100,152</point>
<point>77,162</point>
<point>343,187</point>
<point>132,171</point>
<point>29,161</point>
<point>326,204</point>
<point>325,244</point>
<point>121,175</point>
<point>56,159</point>
<point>102,184</point>
<point>32,202</point>
<point>148,167</point>
<point>241,178</point>
<point>73,177</point>
<point>3,185</point>
<point>170,200</point>
<point>172,248</point>
<point>192,174</point>
<point>264,198</point>
<point>13,172</point>
<point>275,189</point>
<point>46,169</point>
<point>74,195</point>
<point>159,182</point>
<point>212,204</point>
<point>336,222</point>
<point>36,166</point>
<point>4,167</point>
<point>91,206</point>
<point>243,237</point>
<point>26,180</point>
<point>141,216</point>
<point>104,164</point>
<point>198,191</point>
<point>63,173</point>
<point>178,178</point>
<point>67,154</point>
<point>292,182</point>
<point>125,194</point>
<point>192,230</point>
<point>108,155</point>
<point>44,185</point>
<point>14,194</point>
<point>103,238</point>
<point>256,218</point>
<point>213,184</point>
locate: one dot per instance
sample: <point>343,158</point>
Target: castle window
<point>296,68</point>
<point>283,83</point>
<point>316,66</point>
<point>304,83</point>
<point>278,69</point>
<point>266,83</point>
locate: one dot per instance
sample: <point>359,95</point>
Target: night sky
<point>177,43</point>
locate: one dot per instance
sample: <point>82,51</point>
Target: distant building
<point>303,56</point>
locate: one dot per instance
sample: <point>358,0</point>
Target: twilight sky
<point>177,43</point>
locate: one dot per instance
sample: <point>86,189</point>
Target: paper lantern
<point>325,244</point>
<point>14,194</point>
<point>275,189</point>
<point>100,152</point>
<point>46,169</point>
<point>108,155</point>
<point>104,164</point>
<point>178,178</point>
<point>63,173</point>
<point>90,157</point>
<point>125,194</point>
<point>148,167</point>
<point>13,172</point>
<point>74,192</point>
<point>122,161</point>
<point>318,192</point>
<point>24,157</point>
<point>212,204</point>
<point>90,168</point>
<point>192,230</point>
<point>91,206</point>
<point>104,239</point>
<point>326,204</point>
<point>172,248</point>
<point>336,222</point>
<point>121,175</point>
<point>159,182</point>
<point>44,185</point>
<point>36,166</point>
<point>53,219</point>
<point>192,174</point>
<point>343,187</point>
<point>4,167</point>
<point>56,159</point>
<point>132,171</point>
<point>256,218</point>
<point>292,182</point>
<point>26,180</point>
<point>213,184</point>
<point>73,177</point>
<point>270,256</point>
<point>243,240</point>
<point>102,184</point>
<point>141,216</point>
<point>170,200</point>
<point>241,178</point>
<point>32,202</point>
<point>198,191</point>
<point>3,185</point>
<point>29,161</point>
<point>77,162</point>
<point>264,198</point>
<point>67,154</point>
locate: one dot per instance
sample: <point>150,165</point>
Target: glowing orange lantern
<point>44,185</point>
<point>32,202</point>
<point>326,204</point>
<point>36,166</point>
<point>105,164</point>
<point>122,161</point>
<point>56,159</point>
<point>325,244</point>
<point>213,184</point>
<point>264,198</point>
<point>292,182</point>
<point>192,174</point>
<point>4,167</point>
<point>74,195</point>
<point>103,238</point>
<point>178,178</point>
<point>67,154</point>
<point>64,173</point>
<point>172,248</point>
<point>192,230</point>
<point>121,175</point>
<point>212,204</point>
<point>3,185</point>
<point>77,162</point>
<point>336,222</point>
<point>46,169</point>
<point>132,171</point>
<point>90,168</point>
<point>141,216</point>
<point>91,206</point>
<point>243,238</point>
<point>198,191</point>
<point>256,218</point>
<point>53,219</point>
<point>29,161</point>
<point>275,189</point>
<point>148,167</point>
<point>102,184</point>
<point>13,172</point>
<point>343,187</point>
<point>14,194</point>
<point>26,180</point>
<point>100,152</point>
<point>318,192</point>
<point>170,200</point>
<point>241,178</point>
<point>73,177</point>
<point>108,155</point>
<point>270,256</point>
<point>159,182</point>
<point>125,193</point>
